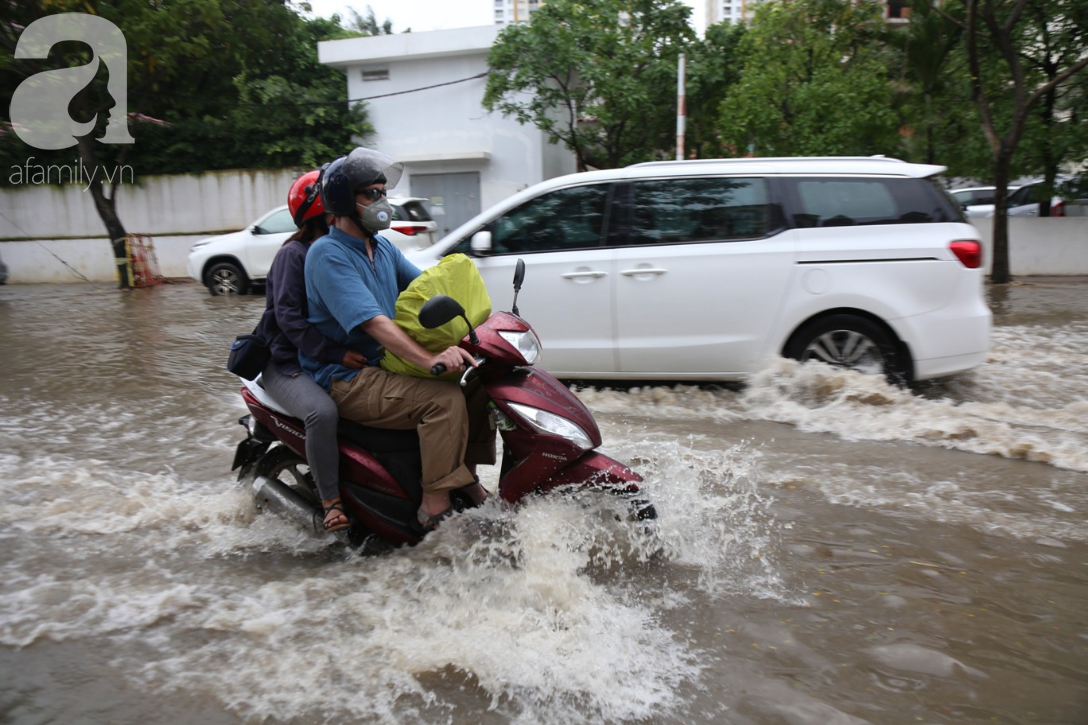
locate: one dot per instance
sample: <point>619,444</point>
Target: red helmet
<point>304,200</point>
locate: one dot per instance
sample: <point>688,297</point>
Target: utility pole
<point>680,110</point>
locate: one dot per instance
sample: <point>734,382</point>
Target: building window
<point>382,74</point>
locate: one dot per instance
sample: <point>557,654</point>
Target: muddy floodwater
<point>830,549</point>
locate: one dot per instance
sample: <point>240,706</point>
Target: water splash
<point>547,609</point>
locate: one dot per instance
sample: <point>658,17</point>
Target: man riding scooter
<point>353,278</point>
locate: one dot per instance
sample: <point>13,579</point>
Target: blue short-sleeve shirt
<point>344,289</point>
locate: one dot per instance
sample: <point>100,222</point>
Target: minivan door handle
<point>643,270</point>
<point>575,275</point>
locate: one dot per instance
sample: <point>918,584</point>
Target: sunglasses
<point>372,194</point>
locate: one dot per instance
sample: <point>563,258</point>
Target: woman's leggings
<point>303,398</point>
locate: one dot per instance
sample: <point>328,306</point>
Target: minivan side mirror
<point>481,243</point>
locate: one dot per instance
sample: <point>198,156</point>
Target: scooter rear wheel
<point>284,465</point>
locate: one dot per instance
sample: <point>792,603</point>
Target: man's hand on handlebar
<point>452,359</point>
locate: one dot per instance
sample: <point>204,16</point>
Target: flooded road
<point>830,549</point>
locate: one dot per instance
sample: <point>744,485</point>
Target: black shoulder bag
<point>250,353</point>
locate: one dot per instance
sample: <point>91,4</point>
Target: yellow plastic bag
<point>455,276</point>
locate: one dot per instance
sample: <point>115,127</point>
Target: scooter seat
<point>254,386</point>
<point>378,440</point>
<point>375,440</point>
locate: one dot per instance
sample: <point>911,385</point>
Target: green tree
<point>713,68</point>
<point>814,82</point>
<point>1056,132</point>
<point>1021,54</point>
<point>598,76</point>
<point>279,108</point>
<point>368,24</point>
<point>930,92</point>
<point>212,84</point>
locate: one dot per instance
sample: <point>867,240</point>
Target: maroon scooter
<point>549,440</point>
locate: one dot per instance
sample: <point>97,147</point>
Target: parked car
<point>3,272</point>
<point>976,201</point>
<point>230,263</point>
<point>703,270</point>
<point>413,227</point>
<point>1026,199</point>
<point>1075,197</point>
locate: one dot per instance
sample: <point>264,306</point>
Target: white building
<point>730,11</point>
<point>742,11</point>
<point>424,94</point>
<point>514,11</point>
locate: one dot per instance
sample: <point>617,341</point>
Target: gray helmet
<point>361,168</point>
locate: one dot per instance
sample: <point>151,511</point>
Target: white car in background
<point>977,201</point>
<point>230,264</point>
<point>1027,199</point>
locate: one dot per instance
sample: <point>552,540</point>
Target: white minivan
<point>704,270</point>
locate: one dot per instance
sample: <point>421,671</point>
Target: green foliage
<point>368,24</point>
<point>1054,36</point>
<point>814,82</point>
<point>598,76</point>
<point>713,68</point>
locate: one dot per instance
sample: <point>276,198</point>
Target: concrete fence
<point>46,232</point>
<point>1038,246</point>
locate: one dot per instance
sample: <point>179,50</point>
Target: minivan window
<point>277,223</point>
<point>833,202</point>
<point>571,218</point>
<point>669,211</point>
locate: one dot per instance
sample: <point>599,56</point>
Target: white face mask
<point>377,216</point>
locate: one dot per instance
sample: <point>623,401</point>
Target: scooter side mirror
<point>439,310</point>
<point>519,275</point>
<point>481,243</point>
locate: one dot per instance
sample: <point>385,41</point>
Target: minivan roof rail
<point>763,159</point>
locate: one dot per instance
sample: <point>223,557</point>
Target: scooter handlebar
<point>438,369</point>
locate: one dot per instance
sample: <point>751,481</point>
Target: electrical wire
<point>329,103</point>
<point>39,243</point>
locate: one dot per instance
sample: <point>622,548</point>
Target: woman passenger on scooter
<point>285,326</point>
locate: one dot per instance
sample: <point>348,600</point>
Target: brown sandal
<point>329,524</point>
<point>429,522</point>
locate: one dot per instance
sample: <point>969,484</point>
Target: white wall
<point>1041,246</point>
<point>157,205</point>
<point>44,228</point>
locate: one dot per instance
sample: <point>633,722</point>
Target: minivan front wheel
<point>849,341</point>
<point>225,278</point>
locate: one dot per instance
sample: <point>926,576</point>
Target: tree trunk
<point>999,274</point>
<point>107,210</point>
<point>1050,166</point>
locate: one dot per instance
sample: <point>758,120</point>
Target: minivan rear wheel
<point>849,341</point>
<point>224,278</point>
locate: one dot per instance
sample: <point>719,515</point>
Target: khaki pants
<point>452,424</point>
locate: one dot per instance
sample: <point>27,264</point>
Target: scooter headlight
<point>526,343</point>
<point>545,422</point>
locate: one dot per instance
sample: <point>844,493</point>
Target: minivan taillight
<point>968,251</point>
<point>1058,209</point>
